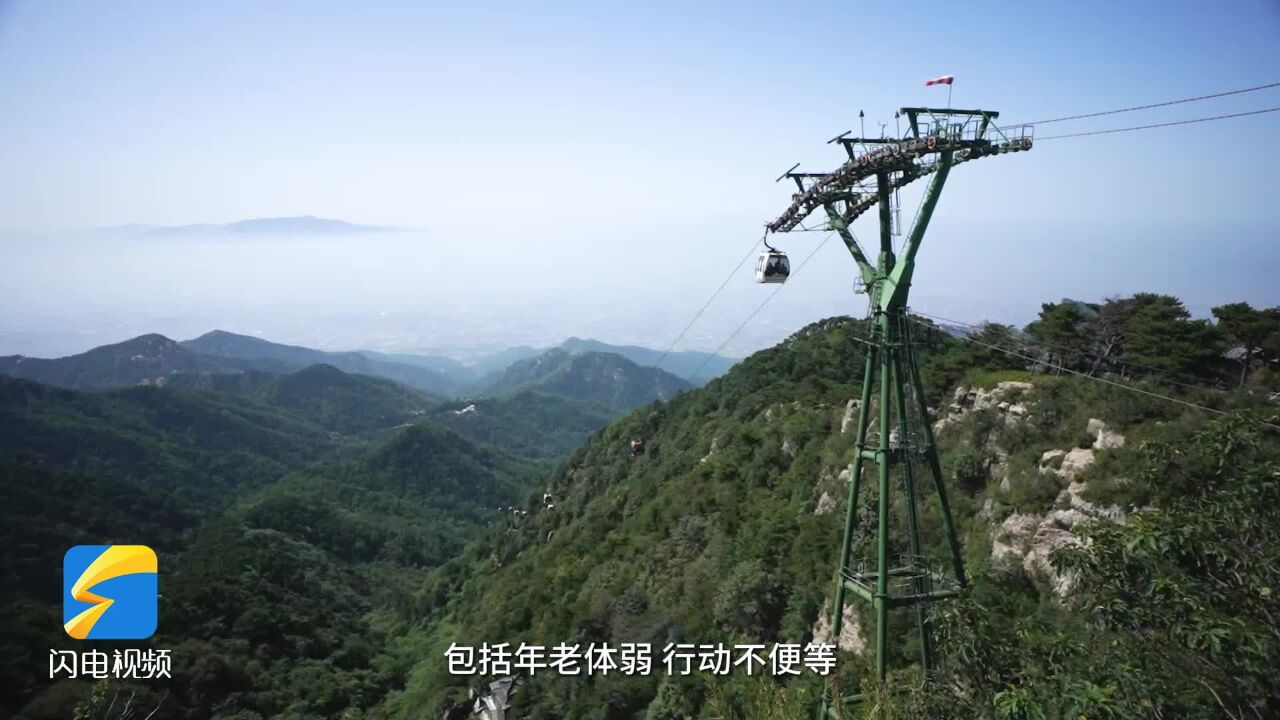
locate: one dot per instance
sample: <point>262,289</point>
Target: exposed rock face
<point>826,504</point>
<point>1011,537</point>
<point>988,510</point>
<point>1072,496</point>
<point>830,487</point>
<point>1053,533</point>
<point>850,415</point>
<point>1076,461</point>
<point>495,704</point>
<point>1003,398</point>
<point>1105,438</point>
<point>1030,539</point>
<point>715,447</point>
<point>778,410</point>
<point>850,639</point>
<point>1048,457</point>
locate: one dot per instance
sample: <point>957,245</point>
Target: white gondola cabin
<point>773,267</point>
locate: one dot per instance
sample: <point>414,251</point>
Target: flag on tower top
<point>944,80</point>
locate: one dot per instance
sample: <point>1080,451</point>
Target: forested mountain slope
<point>726,530</point>
<point>327,559</point>
<point>529,423</point>
<point>604,379</point>
<point>323,394</point>
<point>1122,543</point>
<point>712,535</point>
<point>198,446</point>
<point>278,555</point>
<point>431,377</point>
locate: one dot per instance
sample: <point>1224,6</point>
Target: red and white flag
<point>944,80</point>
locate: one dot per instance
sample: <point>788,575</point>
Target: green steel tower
<point>935,141</point>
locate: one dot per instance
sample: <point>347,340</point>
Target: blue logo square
<point>110,592</point>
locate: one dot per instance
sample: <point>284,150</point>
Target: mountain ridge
<point>694,366</point>
<point>605,379</point>
<point>144,359</point>
<point>266,226</point>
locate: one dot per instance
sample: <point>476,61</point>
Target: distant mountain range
<point>144,360</point>
<point>697,368</point>
<point>155,359</point>
<point>280,226</point>
<point>537,407</point>
<point>428,374</point>
<point>152,359</point>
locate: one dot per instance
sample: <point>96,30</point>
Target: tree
<point>1156,331</point>
<point>1061,334</point>
<point>992,346</point>
<point>1191,587</point>
<point>1253,331</point>
<point>1106,331</point>
<point>1173,612</point>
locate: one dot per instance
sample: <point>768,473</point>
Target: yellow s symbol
<point>115,561</point>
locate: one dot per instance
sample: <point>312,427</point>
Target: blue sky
<point>627,152</point>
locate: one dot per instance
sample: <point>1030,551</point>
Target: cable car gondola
<point>772,266</point>
<point>637,447</point>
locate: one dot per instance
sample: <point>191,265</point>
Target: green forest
<point>323,537</point>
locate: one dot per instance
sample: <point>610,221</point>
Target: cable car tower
<point>934,141</point>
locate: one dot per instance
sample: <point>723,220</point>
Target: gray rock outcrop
<point>850,639</point>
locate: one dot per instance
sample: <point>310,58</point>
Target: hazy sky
<point>597,168</point>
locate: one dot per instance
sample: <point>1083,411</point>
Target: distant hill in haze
<point>437,363</point>
<point>142,360</point>
<point>684,363</point>
<point>605,379</point>
<point>299,225</point>
<point>155,359</point>
<point>540,407</point>
<point>502,359</point>
<point>148,358</point>
<point>220,343</point>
